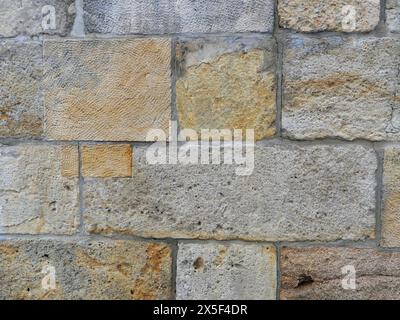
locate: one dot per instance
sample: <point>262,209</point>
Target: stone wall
<point>83,215</point>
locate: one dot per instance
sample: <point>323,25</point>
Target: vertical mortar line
<point>383,12</point>
<point>81,183</point>
<point>174,111</point>
<point>278,270</point>
<point>78,28</point>
<point>278,72</point>
<point>379,194</point>
<point>174,266</point>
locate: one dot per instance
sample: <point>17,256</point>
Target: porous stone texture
<point>178,16</point>
<point>316,274</point>
<point>393,15</point>
<point>343,87</point>
<point>321,192</point>
<point>213,271</point>
<point>107,90</point>
<point>391,198</point>
<point>27,17</point>
<point>21,106</point>
<point>39,189</point>
<point>107,160</point>
<point>227,83</point>
<point>329,15</point>
<point>84,269</point>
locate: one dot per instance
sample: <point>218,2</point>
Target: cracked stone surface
<point>329,15</point>
<point>295,193</point>
<point>178,16</point>
<point>342,87</point>
<point>39,189</point>
<point>393,15</point>
<point>84,269</point>
<point>108,89</point>
<point>27,17</point>
<point>316,273</point>
<point>227,83</point>
<point>226,272</point>
<point>21,105</point>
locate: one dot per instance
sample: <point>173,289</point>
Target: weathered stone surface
<point>21,107</point>
<point>227,83</point>
<point>107,160</point>
<point>295,193</point>
<point>391,198</point>
<point>107,90</point>
<point>39,189</point>
<point>176,16</point>
<point>32,17</point>
<point>316,273</point>
<point>84,270</point>
<point>393,15</point>
<point>213,271</point>
<point>329,15</point>
<point>345,87</point>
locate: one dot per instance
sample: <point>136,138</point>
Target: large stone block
<point>35,17</point>
<point>393,15</point>
<point>39,189</point>
<point>21,105</point>
<point>344,87</point>
<point>328,274</point>
<point>213,271</point>
<point>85,269</point>
<point>321,192</point>
<point>227,83</point>
<point>107,90</point>
<point>177,16</point>
<point>329,15</point>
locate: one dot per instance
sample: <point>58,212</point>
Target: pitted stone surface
<point>21,105</point>
<point>178,16</point>
<point>344,87</point>
<point>35,17</point>
<point>317,274</point>
<point>226,272</point>
<point>107,90</point>
<point>295,193</point>
<point>227,84</point>
<point>329,15</point>
<point>39,189</point>
<point>84,269</point>
<point>393,15</point>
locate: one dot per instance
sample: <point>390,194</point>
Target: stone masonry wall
<point>83,215</point>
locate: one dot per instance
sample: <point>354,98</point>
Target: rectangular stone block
<point>211,271</point>
<point>393,15</point>
<point>39,189</point>
<point>227,83</point>
<point>178,16</point>
<point>21,105</point>
<point>84,269</point>
<point>341,87</point>
<point>391,198</point>
<point>107,90</point>
<point>104,161</point>
<point>296,192</point>
<point>328,274</point>
<point>35,17</point>
<point>329,15</point>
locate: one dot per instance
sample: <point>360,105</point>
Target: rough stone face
<point>33,17</point>
<point>393,15</point>
<point>212,271</point>
<point>295,193</point>
<point>107,161</point>
<point>316,273</point>
<point>345,87</point>
<point>39,189</point>
<point>107,90</point>
<point>177,16</point>
<point>391,198</point>
<point>227,83</point>
<point>21,106</point>
<point>84,270</point>
<point>329,15</point>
